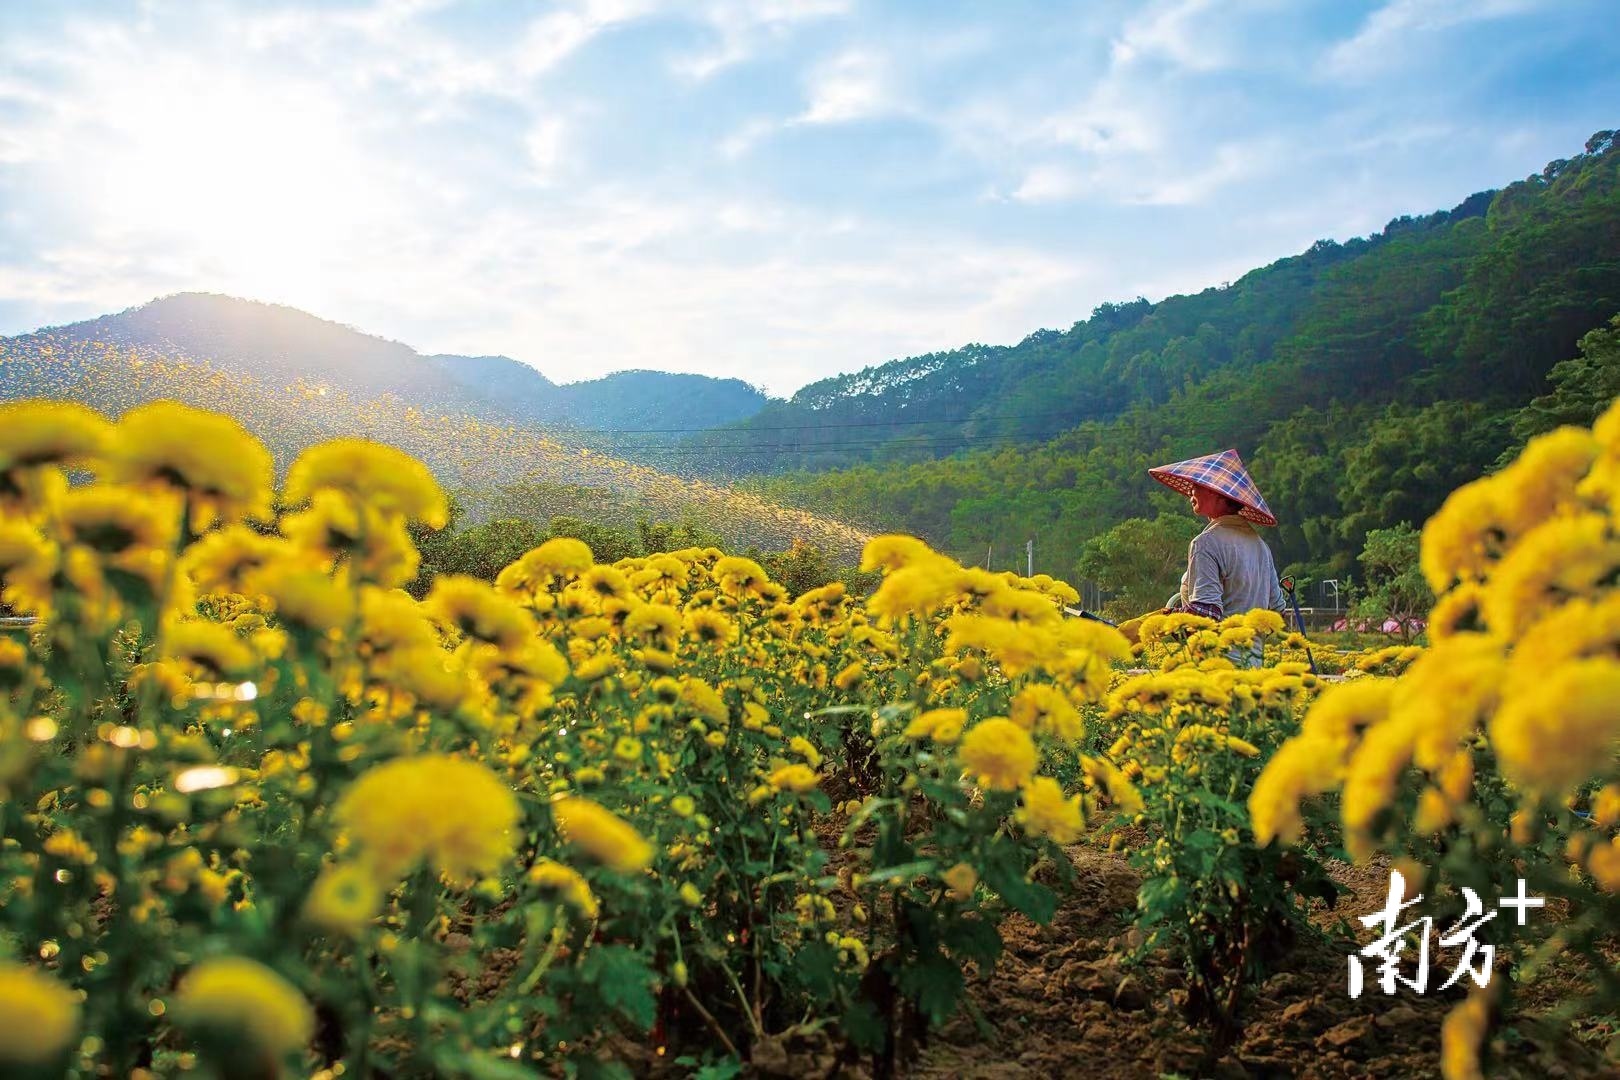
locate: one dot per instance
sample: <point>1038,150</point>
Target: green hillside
<point>1361,380</point>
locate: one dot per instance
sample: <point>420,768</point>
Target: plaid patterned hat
<point>1223,473</point>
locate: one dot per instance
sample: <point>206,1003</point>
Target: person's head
<point>1208,503</point>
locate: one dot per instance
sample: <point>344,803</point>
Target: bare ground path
<point>1059,1005</point>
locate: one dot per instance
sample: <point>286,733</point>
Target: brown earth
<point>1059,1004</point>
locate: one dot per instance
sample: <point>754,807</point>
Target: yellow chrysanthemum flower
<point>1021,606</point>
<point>1553,735</point>
<point>209,646</point>
<point>1304,766</point>
<point>566,884</point>
<point>925,725</point>
<point>1543,479</point>
<point>1045,812</point>
<point>435,679</point>
<point>232,997</point>
<point>210,457</point>
<point>1017,649</point>
<point>893,552</point>
<point>999,753</point>
<point>710,627</point>
<point>1039,707</point>
<point>374,475</point>
<point>960,881</point>
<point>344,899</point>
<point>390,620</point>
<point>796,778</point>
<point>303,597</point>
<point>657,623</point>
<point>478,611</point>
<point>38,1016</point>
<point>1193,738</point>
<point>805,749</point>
<point>702,700</point>
<point>1263,621</point>
<point>1556,560</point>
<point>919,588</point>
<point>850,676</point>
<point>605,583</point>
<point>601,834</point>
<point>49,433</point>
<point>1114,783</point>
<point>1462,1037</point>
<point>453,814</point>
<point>561,555</point>
<point>1465,537</point>
<point>27,562</point>
<point>221,560</point>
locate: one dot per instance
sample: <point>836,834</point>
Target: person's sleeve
<point>1204,592</point>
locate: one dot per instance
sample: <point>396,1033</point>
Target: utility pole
<point>1029,549</point>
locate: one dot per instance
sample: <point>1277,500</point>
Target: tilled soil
<point>1059,1004</point>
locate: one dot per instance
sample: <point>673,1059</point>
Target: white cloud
<point>425,178</point>
<point>743,27</point>
<point>1049,183</point>
<point>853,85</point>
<point>742,140</point>
<point>856,84</point>
<point>1231,162</point>
<point>545,142</point>
<point>1391,34</point>
<point>1172,32</point>
<point>556,35</point>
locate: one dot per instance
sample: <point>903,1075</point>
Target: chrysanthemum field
<point>265,814</point>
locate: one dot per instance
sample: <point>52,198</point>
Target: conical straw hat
<point>1222,472</point>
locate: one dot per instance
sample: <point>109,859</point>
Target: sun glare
<point>243,178</point>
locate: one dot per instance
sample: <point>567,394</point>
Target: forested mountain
<point>278,344</point>
<point>615,409</point>
<point>1361,380</point>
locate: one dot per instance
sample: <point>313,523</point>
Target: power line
<point>817,427</point>
<point>743,449</point>
<point>1194,426</point>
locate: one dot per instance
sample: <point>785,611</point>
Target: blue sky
<point>776,190</point>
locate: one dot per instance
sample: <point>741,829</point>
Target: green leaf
<point>623,982</point>
<point>817,967</point>
<point>1004,873</point>
<point>935,984</point>
<point>903,872</point>
<point>973,939</point>
<point>864,1027</point>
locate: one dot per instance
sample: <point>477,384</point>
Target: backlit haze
<point>765,189</point>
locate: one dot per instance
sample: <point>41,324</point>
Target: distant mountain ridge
<point>274,342</point>
<point>1362,381</point>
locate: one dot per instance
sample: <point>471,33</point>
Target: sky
<point>772,190</point>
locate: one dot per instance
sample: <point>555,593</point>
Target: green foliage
<point>1407,461</point>
<point>1136,559</point>
<point>1362,381</point>
<point>1395,587</point>
<point>1582,387</point>
<point>1228,908</point>
<point>482,549</point>
<point>800,568</point>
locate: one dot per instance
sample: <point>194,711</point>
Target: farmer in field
<point>1229,567</point>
